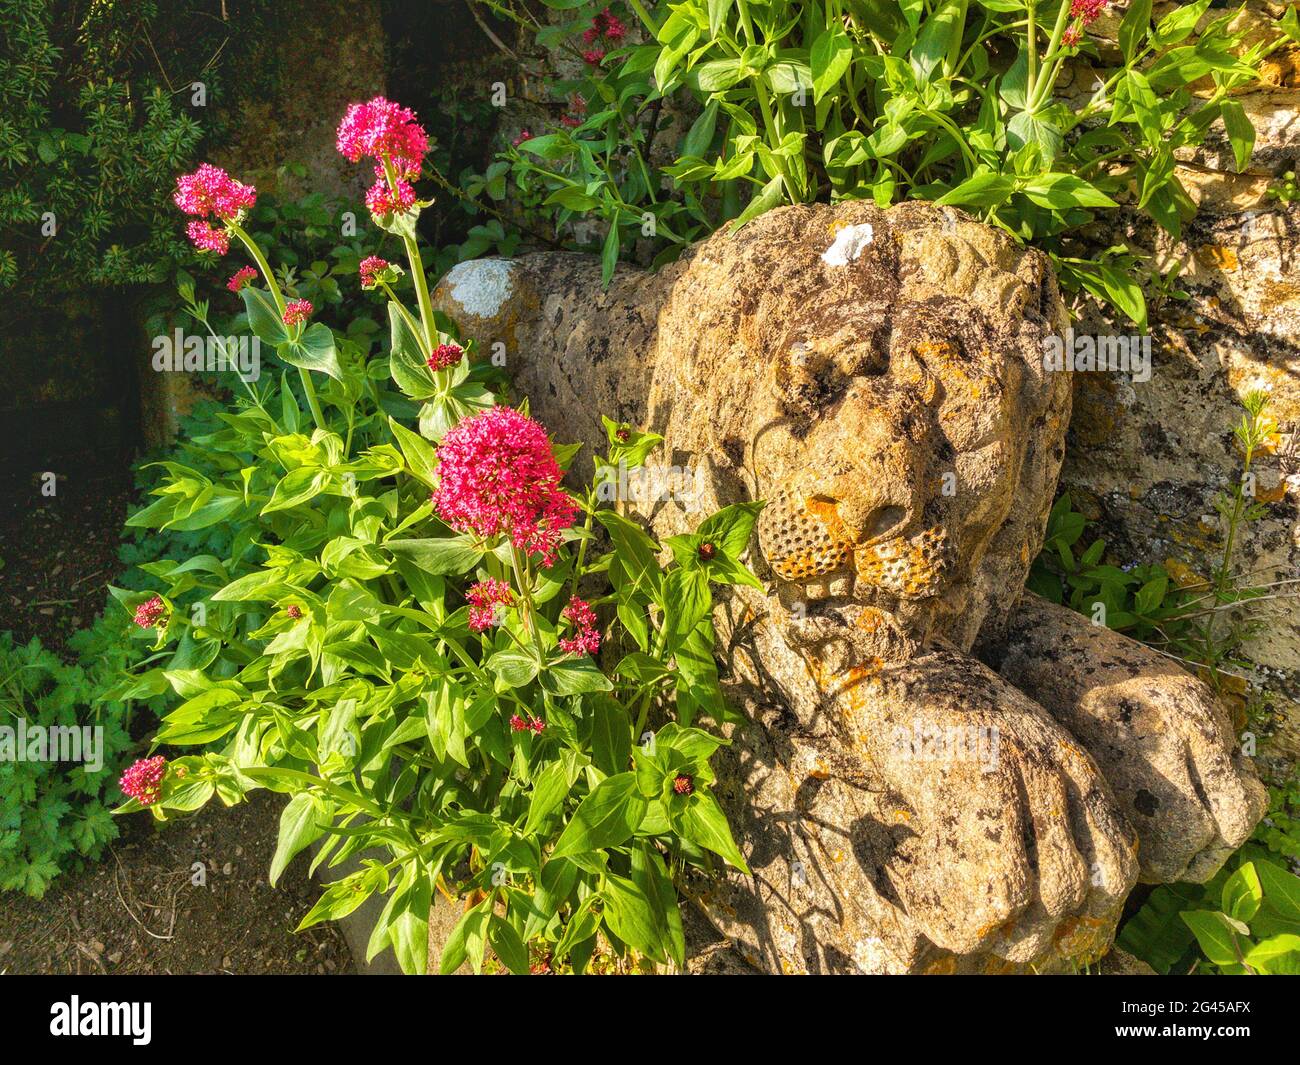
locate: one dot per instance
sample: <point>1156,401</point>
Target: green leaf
<point>574,676</point>
<point>263,319</point>
<point>635,550</point>
<point>421,459</point>
<point>314,350</point>
<point>605,818</point>
<point>936,38</point>
<point>611,736</point>
<point>340,899</point>
<point>1137,20</point>
<point>1179,23</point>
<point>699,138</point>
<point>508,946</point>
<point>295,487</point>
<point>687,601</point>
<point>609,253</point>
<point>1242,893</point>
<point>1241,132</point>
<point>982,190</point>
<point>572,198</point>
<point>406,359</point>
<point>635,916</point>
<point>1281,892</point>
<point>1277,955</point>
<point>300,826</point>
<point>730,529</point>
<point>704,823</point>
<point>1025,128</point>
<point>467,940</point>
<point>831,55</point>
<point>550,788</point>
<point>771,195</point>
<point>1216,934</point>
<point>1064,190</point>
<point>717,14</point>
<point>441,555</point>
<point>513,668</point>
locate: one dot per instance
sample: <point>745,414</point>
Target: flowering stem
<point>526,594</point>
<point>1047,82</point>
<point>582,547</point>
<point>308,388</point>
<point>417,265</point>
<point>421,289</point>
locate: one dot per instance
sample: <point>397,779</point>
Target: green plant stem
<point>417,267</point>
<point>530,611</point>
<point>1047,83</point>
<point>308,388</point>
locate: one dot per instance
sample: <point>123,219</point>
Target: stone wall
<point>1146,459</point>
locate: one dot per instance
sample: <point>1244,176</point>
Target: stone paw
<point>1161,738</point>
<point>1016,847</point>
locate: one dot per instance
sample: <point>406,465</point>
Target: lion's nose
<point>869,520</point>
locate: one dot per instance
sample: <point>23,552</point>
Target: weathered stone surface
<point>1164,743</point>
<point>877,377</point>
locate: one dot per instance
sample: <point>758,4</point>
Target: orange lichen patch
<point>1269,445</point>
<point>808,564</point>
<point>911,567</point>
<point>1216,257</point>
<point>942,966</point>
<point>994,966</point>
<point>871,620</point>
<point>1183,575</point>
<point>1083,939</point>
<point>1271,495</point>
<point>944,357</point>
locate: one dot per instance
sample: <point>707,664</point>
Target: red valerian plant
<point>402,639</point>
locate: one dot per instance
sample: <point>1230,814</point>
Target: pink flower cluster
<point>381,199</point>
<point>603,25</point>
<point>524,135</point>
<point>382,130</point>
<point>150,612</point>
<point>388,133</point>
<point>210,192</point>
<point>297,311</point>
<point>207,237</point>
<point>369,269</point>
<point>497,475</point>
<point>586,634</point>
<point>484,598</point>
<point>245,275</point>
<point>519,724</point>
<point>1084,12</point>
<point>445,356</point>
<point>143,780</point>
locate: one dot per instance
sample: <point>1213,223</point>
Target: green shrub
<point>56,815</point>
<point>92,132</point>
<point>951,101</point>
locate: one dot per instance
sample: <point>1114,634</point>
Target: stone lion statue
<point>940,772</point>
